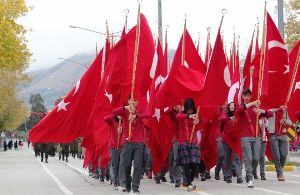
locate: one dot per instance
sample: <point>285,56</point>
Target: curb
<point>285,168</point>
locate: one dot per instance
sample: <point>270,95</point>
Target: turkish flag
<point>184,80</point>
<point>247,65</point>
<point>254,71</point>
<point>68,120</point>
<point>276,69</point>
<point>294,103</point>
<point>217,80</point>
<point>160,133</point>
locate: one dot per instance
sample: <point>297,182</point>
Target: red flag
<point>217,80</point>
<point>184,80</point>
<point>68,120</point>
<point>276,69</point>
<point>254,70</point>
<point>294,103</point>
<point>160,134</point>
<point>247,64</point>
<point>145,53</point>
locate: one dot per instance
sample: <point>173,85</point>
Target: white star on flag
<point>287,69</point>
<point>297,86</point>
<point>157,114</point>
<point>62,106</point>
<point>109,96</point>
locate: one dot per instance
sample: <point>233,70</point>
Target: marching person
<point>228,125</point>
<point>116,142</point>
<point>278,139</point>
<point>134,142</point>
<point>175,170</point>
<point>264,125</point>
<point>220,146</point>
<point>189,150</point>
<point>250,143</point>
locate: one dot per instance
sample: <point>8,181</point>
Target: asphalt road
<point>23,174</point>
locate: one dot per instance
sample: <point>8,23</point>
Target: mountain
<point>56,81</point>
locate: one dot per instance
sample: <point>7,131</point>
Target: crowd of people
<point>128,147</point>
<point>10,144</point>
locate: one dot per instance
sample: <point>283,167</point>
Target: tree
<point>14,59</point>
<point>292,24</point>
<point>38,110</point>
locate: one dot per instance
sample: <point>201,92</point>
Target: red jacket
<point>185,128</point>
<point>137,126</point>
<point>174,123</point>
<point>110,120</point>
<point>247,120</point>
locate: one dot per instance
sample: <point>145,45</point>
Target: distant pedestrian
<point>16,145</point>
<point>5,145</point>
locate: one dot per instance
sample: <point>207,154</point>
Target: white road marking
<point>61,186</point>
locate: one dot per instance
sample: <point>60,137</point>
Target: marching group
<point>128,147</point>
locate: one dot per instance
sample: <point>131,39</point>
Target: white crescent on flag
<point>154,65</point>
<point>274,43</point>
<point>232,91</point>
<point>77,87</point>
<point>227,76</point>
<point>109,96</point>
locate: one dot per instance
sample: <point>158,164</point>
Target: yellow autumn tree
<point>14,59</point>
<point>292,24</point>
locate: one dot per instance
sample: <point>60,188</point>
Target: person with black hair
<point>228,123</point>
<point>250,142</point>
<point>134,142</point>
<point>189,150</point>
<point>116,142</point>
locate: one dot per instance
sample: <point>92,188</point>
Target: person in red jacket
<point>115,145</point>
<point>189,150</point>
<point>250,142</point>
<point>228,123</point>
<point>133,129</point>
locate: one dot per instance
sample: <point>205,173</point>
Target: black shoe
<point>240,180</point>
<point>172,181</point>
<point>263,177</point>
<point>102,180</point>
<point>217,177</point>
<point>136,191</point>
<point>157,179</point>
<point>207,175</point>
<point>203,178</point>
<point>177,184</point>
<point>41,160</point>
<point>229,181</point>
<point>255,176</point>
<point>185,184</point>
<point>163,179</point>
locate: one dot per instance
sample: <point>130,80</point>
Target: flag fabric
<point>276,69</point>
<point>247,65</point>
<point>217,80</point>
<point>68,120</point>
<point>160,134</point>
<point>294,103</point>
<point>186,77</point>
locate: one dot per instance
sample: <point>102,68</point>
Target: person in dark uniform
<point>65,151</point>
<point>44,147</point>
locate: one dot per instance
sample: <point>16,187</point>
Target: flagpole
<point>224,11</point>
<point>119,134</point>
<point>194,126</point>
<point>198,44</point>
<point>134,66</point>
<point>166,37</point>
<point>183,43</point>
<point>292,82</point>
<point>262,54</point>
<point>126,18</point>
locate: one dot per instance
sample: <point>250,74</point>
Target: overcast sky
<point>52,38</point>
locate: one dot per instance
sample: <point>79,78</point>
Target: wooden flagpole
<point>194,126</point>
<point>119,134</point>
<point>136,47</point>
<point>261,64</point>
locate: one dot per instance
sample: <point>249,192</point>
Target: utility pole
<point>280,18</point>
<point>160,22</point>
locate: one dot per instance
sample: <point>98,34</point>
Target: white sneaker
<point>251,184</point>
<point>190,188</point>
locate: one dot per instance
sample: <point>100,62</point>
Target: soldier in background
<point>65,151</point>
<point>44,148</point>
